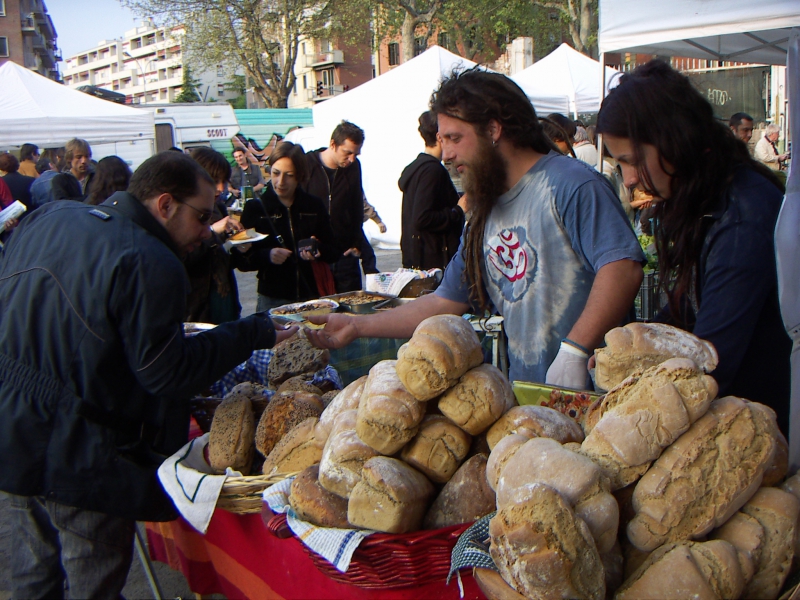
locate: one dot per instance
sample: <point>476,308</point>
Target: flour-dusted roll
<point>708,474</point>
<point>438,448</point>
<point>284,411</point>
<point>480,397</point>
<point>579,480</point>
<point>300,448</point>
<point>315,504</point>
<point>295,356</point>
<point>391,496</point>
<point>644,414</point>
<point>543,550</point>
<point>344,456</point>
<point>535,421</point>
<point>442,349</point>
<point>230,442</point>
<point>676,571</point>
<point>501,454</point>
<point>388,415</point>
<point>466,497</point>
<point>347,399</point>
<point>639,346</point>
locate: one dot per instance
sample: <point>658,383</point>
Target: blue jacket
<point>94,368</point>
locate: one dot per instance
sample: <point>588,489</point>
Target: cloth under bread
<point>335,545</point>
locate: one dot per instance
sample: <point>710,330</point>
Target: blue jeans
<point>66,552</point>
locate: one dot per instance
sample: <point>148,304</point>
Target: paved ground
<point>173,584</point>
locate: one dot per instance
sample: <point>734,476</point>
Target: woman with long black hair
<point>715,210</point>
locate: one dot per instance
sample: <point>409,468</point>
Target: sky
<point>81,24</point>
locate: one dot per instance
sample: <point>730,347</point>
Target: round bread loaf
<point>230,442</point>
<point>347,399</point>
<point>315,504</point>
<point>298,449</point>
<point>299,383</point>
<point>442,349</point>
<point>284,412</point>
<point>480,398</point>
<point>438,448</point>
<point>344,456</point>
<point>465,498</point>
<point>535,421</point>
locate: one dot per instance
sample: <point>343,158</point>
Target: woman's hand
<point>11,224</point>
<point>307,255</point>
<point>278,256</point>
<point>227,225</point>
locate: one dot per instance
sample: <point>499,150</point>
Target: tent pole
<point>599,140</point>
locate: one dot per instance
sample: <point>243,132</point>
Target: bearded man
<point>547,246</point>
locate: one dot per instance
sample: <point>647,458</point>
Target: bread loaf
<point>343,456</point>
<point>500,455</point>
<point>676,571</point>
<point>347,399</point>
<point>779,467</point>
<point>297,450</point>
<point>480,397</point>
<point>315,504</point>
<point>645,414</point>
<point>708,474</point>
<point>295,356</point>
<point>250,389</point>
<point>388,415</point>
<point>391,497</point>
<point>284,412</point>
<point>329,397</point>
<point>466,497</point>
<point>438,448</point>
<point>230,442</point>
<point>792,485</point>
<point>543,550</point>
<point>442,349</point>
<point>299,383</point>
<point>639,346</point>
<point>493,586</point>
<point>535,421</point>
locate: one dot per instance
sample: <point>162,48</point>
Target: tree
<point>237,85</point>
<point>580,18</point>
<point>188,87</point>
<point>259,36</point>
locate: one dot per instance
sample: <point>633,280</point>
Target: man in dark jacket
<point>95,371</point>
<point>433,217</point>
<point>334,174</point>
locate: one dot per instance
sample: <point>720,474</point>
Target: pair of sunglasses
<point>205,215</point>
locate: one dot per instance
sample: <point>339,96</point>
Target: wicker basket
<point>389,561</point>
<point>244,495</point>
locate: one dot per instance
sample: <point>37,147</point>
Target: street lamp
<point>141,70</point>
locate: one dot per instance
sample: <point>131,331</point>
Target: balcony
<point>323,59</point>
<point>327,92</point>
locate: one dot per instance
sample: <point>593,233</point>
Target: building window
<point>135,44</point>
<point>444,40</point>
<point>2,8</point>
<point>324,46</point>
<point>220,71</point>
<point>305,82</point>
<point>220,89</point>
<point>419,46</point>
<point>394,54</point>
<point>3,46</point>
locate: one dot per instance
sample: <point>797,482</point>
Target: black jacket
<point>93,360</point>
<point>344,199</point>
<point>20,186</point>
<point>432,219</point>
<point>294,279</point>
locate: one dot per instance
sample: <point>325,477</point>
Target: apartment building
<point>28,37</point>
<point>146,64</point>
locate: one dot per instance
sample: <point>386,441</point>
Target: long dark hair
<point>478,97</point>
<point>656,105</point>
<point>111,175</point>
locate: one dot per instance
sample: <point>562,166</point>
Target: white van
<point>194,124</point>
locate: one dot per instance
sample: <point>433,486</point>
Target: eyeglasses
<point>205,215</point>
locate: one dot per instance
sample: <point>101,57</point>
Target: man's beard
<point>484,179</point>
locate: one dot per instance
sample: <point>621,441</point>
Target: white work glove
<point>569,369</point>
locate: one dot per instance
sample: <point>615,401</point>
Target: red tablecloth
<point>240,558</point>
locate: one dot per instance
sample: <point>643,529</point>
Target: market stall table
<point>240,558</point>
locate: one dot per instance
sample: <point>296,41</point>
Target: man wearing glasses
<point>95,371</point>
<point>28,155</point>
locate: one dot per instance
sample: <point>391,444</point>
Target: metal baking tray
<point>392,303</point>
<point>365,307</point>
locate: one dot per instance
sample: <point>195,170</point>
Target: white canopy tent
<point>37,110</point>
<point>737,30</point>
<point>387,109</point>
<point>565,81</point>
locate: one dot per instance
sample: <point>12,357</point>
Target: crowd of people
<point>95,374</point>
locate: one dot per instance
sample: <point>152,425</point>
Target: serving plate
<point>298,311</point>
<point>252,236</point>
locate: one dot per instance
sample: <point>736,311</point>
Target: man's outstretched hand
<point>284,333</point>
<point>339,330</point>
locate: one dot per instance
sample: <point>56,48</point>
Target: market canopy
<point>37,110</point>
<point>731,30</point>
<point>565,81</point>
<point>387,108</point>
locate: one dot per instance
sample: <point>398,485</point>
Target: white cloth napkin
<point>335,545</point>
<point>190,482</point>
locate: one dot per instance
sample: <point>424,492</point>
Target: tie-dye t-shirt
<point>544,241</point>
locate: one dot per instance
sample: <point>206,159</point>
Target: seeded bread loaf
<point>301,447</point>
<point>543,550</point>
<point>388,415</point>
<point>438,448</point>
<point>391,496</point>
<point>299,383</point>
<point>315,504</point>
<point>329,397</point>
<point>639,346</point>
<point>344,456</point>
<point>295,356</point>
<point>535,421</point>
<point>284,412</point>
<point>644,414</point>
<point>466,497</point>
<point>480,397</point>
<point>442,349</point>
<point>708,474</point>
<point>230,442</point>
<point>347,399</point>
<point>676,571</point>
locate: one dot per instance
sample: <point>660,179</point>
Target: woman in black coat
<point>287,215</point>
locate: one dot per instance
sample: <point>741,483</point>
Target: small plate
<point>190,329</point>
<point>300,310</point>
<point>252,236</point>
